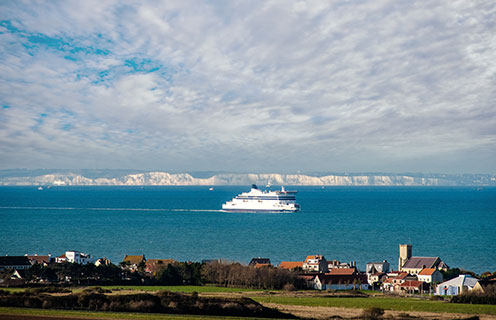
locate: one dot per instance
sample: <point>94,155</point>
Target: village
<point>415,274</point>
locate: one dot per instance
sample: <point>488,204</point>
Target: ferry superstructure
<point>263,201</point>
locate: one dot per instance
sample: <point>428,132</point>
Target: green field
<point>185,289</point>
<point>308,298</point>
<point>106,315</point>
<point>387,303</point>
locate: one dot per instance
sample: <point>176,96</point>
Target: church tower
<point>405,254</point>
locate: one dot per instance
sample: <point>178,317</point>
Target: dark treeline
<point>178,273</point>
<point>237,275</point>
<point>73,273</point>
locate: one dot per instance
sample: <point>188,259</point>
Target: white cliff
<point>185,179</point>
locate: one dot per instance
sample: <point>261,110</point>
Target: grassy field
<point>387,303</point>
<point>106,315</point>
<point>308,298</point>
<point>13,289</point>
<point>185,289</point>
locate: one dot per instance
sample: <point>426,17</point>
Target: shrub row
<point>161,302</point>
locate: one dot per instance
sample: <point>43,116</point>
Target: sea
<point>362,224</point>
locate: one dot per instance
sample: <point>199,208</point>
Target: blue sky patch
<point>143,65</point>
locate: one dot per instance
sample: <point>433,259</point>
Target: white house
<point>316,263</point>
<point>340,282</point>
<point>455,286</point>
<point>375,267</point>
<point>75,257</point>
<point>430,275</point>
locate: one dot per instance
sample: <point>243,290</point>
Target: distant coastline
<point>160,178</point>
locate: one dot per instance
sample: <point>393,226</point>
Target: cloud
<point>262,86</point>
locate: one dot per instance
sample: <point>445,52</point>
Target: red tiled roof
<point>291,264</point>
<point>427,271</point>
<point>343,271</point>
<point>314,257</point>
<point>39,259</point>
<point>260,265</point>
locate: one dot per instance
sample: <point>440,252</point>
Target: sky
<point>249,86</point>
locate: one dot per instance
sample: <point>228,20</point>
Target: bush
<point>372,313</point>
<point>163,302</point>
<point>487,297</point>
<point>289,287</point>
<point>97,290</point>
<point>47,289</point>
<point>437,298</point>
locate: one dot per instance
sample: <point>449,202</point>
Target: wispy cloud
<point>262,86</point>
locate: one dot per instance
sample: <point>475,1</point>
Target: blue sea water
<point>363,224</point>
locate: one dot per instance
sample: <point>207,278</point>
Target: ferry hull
<point>258,210</point>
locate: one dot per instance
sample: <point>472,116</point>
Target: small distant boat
<point>211,189</point>
<point>40,188</point>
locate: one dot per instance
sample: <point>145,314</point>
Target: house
<point>291,265</point>
<point>430,275</point>
<point>387,284</point>
<point>484,285</point>
<point>374,267</point>
<point>394,279</point>
<point>338,264</point>
<point>14,262</point>
<point>78,257</point>
<point>132,262</point>
<point>154,265</point>
<point>413,286</point>
<point>343,272</point>
<point>462,283</point>
<point>61,259</point>
<point>376,278</point>
<point>43,260</point>
<point>259,261</point>
<point>74,257</point>
<point>414,265</point>
<point>316,263</point>
<point>103,262</point>
<point>13,277</point>
<point>339,282</point>
<point>307,279</point>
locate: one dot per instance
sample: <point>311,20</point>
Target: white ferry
<point>263,201</point>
